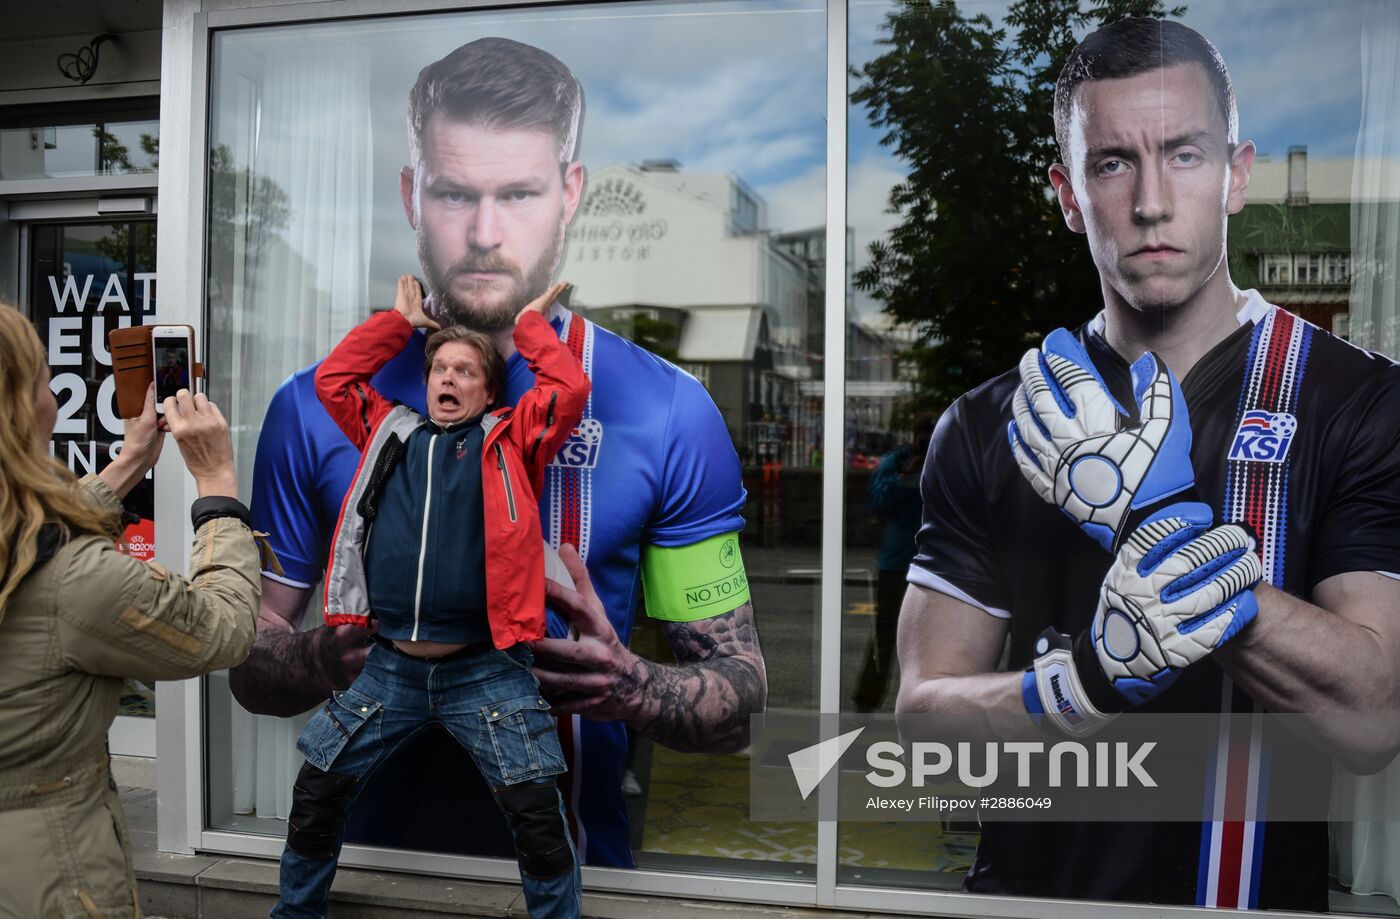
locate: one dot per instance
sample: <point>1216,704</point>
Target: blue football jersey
<point>651,462</point>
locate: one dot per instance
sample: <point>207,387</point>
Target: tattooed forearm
<point>704,704</point>
<point>285,674</point>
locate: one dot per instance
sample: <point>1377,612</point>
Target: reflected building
<point>879,382</point>
<point>1314,237</point>
<point>684,264</point>
<point>1292,240</point>
<point>878,376</point>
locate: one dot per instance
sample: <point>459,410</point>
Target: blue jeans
<point>490,703</point>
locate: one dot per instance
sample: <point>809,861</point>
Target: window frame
<point>182,825</point>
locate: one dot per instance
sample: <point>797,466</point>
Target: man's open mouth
<point>447,400</point>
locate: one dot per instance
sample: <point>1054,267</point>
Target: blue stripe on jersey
<point>1207,823</point>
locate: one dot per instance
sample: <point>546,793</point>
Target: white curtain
<point>300,284</point>
<point>1375,187</point>
<point>1366,856</point>
<point>302,279</point>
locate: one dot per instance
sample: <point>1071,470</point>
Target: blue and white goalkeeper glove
<point>1177,590</point>
<point>1073,443</point>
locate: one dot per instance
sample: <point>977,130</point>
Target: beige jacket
<point>78,625</point>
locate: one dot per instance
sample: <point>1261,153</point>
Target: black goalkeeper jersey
<point>1326,453</point>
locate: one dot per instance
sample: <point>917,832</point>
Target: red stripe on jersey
<point>1237,794</point>
<point>1227,891</point>
<point>1276,361</point>
<point>570,511</point>
<point>1255,505</point>
<point>569,507</point>
<point>575,337</point>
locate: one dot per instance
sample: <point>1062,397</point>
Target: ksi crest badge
<point>581,449</point>
<point>1264,437</point>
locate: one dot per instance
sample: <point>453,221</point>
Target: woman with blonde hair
<point>77,617</point>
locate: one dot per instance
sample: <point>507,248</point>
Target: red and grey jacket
<point>519,443</point>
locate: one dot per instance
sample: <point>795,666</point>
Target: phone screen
<point>172,366</point>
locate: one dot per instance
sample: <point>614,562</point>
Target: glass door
<point>84,280</point>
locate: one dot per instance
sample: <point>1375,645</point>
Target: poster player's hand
<point>341,651</point>
<point>543,302</point>
<point>591,674</point>
<point>408,300</point>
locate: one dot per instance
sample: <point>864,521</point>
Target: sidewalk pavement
<point>218,887</point>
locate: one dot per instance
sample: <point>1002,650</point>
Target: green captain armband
<point>686,583</point>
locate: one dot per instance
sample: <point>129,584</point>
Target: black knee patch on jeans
<point>320,801</point>
<point>541,839</point>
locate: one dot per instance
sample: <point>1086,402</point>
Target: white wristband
<point>1053,681</point>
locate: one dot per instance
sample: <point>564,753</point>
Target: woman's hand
<point>408,301</point>
<point>204,441</point>
<point>542,303</point>
<point>142,439</point>
<point>144,436</point>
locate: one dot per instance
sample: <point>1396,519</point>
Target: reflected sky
<point>736,87</point>
<point>1295,64</point>
<point>739,87</point>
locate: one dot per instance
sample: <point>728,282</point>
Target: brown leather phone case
<point>132,366</point>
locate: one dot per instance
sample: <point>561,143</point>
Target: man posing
<point>1293,440</point>
<point>649,480</point>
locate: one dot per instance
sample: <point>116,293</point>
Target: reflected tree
<point>980,263</point>
<point>245,211</point>
<point>115,156</point>
<point>242,206</point>
<point>118,244</point>
<point>656,335</point>
<point>659,336</point>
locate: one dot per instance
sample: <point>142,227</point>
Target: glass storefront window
<point>70,150</point>
<point>699,235</point>
<point>702,141</point>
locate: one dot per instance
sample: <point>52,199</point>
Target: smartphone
<point>172,361</point>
